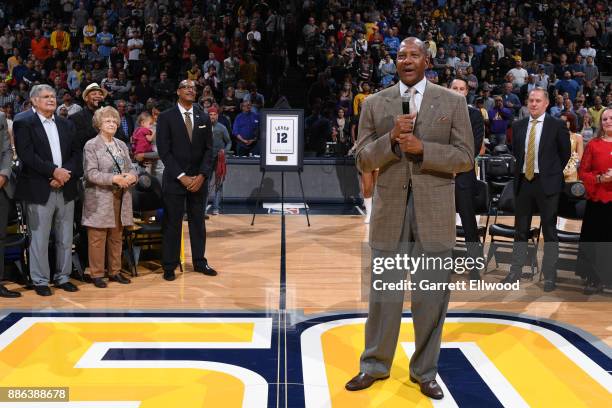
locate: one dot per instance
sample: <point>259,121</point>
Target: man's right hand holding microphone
<point>402,134</point>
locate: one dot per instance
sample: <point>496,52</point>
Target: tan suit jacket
<point>98,164</point>
<point>443,125</point>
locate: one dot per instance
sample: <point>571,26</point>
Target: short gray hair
<point>38,89</point>
<point>103,113</point>
<point>540,89</point>
<point>419,43</point>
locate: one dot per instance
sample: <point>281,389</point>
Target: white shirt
<point>520,76</point>
<point>134,53</point>
<point>183,110</point>
<point>53,138</point>
<point>538,135</point>
<point>418,95</point>
<point>588,52</point>
<point>256,35</point>
<point>72,109</point>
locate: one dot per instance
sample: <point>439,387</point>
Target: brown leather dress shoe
<point>362,381</point>
<point>430,389</point>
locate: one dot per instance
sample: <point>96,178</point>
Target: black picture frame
<point>298,145</point>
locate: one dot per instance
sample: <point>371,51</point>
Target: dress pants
<point>385,311</point>
<point>106,241</point>
<point>464,201</point>
<point>530,198</point>
<point>174,209</point>
<point>59,214</point>
<point>4,210</point>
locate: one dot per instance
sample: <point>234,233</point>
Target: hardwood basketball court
<point>323,289</point>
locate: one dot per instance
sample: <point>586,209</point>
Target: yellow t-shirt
<point>359,98</point>
<point>596,115</point>
<point>89,36</point>
<point>369,30</point>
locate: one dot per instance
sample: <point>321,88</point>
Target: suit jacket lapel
<point>394,101</point>
<point>521,138</point>
<point>181,123</point>
<point>428,107</point>
<point>42,135</point>
<point>543,139</point>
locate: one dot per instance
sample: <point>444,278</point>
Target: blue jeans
<point>216,197</point>
<point>243,150</point>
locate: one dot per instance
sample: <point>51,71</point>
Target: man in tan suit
<point>413,211</point>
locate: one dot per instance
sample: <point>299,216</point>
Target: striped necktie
<point>188,124</point>
<point>530,157</point>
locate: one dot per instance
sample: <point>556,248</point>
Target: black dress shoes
<point>99,283</point>
<point>67,286</point>
<point>362,381</point>
<point>205,269</point>
<point>42,290</point>
<point>549,286</point>
<point>511,277</point>
<point>430,389</point>
<point>591,288</point>
<point>4,292</point>
<point>119,278</point>
<point>169,275</point>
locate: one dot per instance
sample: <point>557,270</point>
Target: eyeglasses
<point>187,87</point>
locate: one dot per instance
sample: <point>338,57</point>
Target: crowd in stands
<point>237,51</point>
<point>134,53</point>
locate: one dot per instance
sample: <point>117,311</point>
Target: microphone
<point>406,103</point>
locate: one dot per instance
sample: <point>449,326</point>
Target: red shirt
<point>140,144</point>
<point>40,48</point>
<point>596,160</point>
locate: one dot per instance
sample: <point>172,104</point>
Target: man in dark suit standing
<point>413,213</point>
<point>6,161</point>
<point>184,143</point>
<point>24,113</point>
<point>49,150</point>
<point>465,183</point>
<point>541,146</point>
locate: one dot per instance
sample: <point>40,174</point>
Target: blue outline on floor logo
<point>256,361</point>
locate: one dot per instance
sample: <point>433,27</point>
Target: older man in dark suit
<point>49,150</point>
<point>6,160</point>
<point>184,143</point>
<point>413,210</point>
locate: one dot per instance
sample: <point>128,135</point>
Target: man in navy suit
<point>541,146</point>
<point>184,144</point>
<point>52,165</point>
